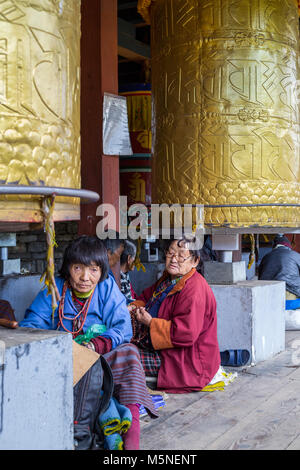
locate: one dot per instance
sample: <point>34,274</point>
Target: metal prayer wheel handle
<point>84,195</point>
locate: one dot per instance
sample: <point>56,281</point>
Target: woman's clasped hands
<point>140,314</point>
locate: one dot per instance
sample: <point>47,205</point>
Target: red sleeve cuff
<point>102,345</point>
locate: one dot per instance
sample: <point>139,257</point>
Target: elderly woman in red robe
<point>175,324</point>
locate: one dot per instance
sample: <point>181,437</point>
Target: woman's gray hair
<point>129,250</point>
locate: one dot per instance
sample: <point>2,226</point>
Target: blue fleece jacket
<point>107,307</point>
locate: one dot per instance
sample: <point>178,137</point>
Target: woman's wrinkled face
<point>130,263</point>
<point>179,260</point>
<point>84,278</point>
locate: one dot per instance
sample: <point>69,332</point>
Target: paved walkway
<point>259,410</point>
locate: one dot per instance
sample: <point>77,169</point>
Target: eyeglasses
<point>179,258</point>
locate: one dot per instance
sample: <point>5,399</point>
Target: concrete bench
<point>251,315</point>
<point>36,390</point>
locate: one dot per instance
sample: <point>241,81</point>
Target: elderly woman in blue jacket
<point>92,302</point>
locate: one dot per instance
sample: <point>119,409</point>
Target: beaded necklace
<point>141,335</point>
<point>164,285</point>
<point>77,319</point>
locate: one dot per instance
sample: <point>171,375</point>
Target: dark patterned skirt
<point>150,358</point>
<point>150,362</point>
<point>129,377</point>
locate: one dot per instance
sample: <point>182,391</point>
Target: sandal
<point>235,357</point>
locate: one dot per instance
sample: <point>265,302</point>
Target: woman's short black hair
<point>85,250</point>
<point>129,250</point>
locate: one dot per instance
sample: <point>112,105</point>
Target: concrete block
<point>36,393</point>
<point>250,273</point>
<point>225,242</point>
<point>20,291</point>
<point>251,315</point>
<point>10,266</point>
<point>7,239</point>
<point>224,273</point>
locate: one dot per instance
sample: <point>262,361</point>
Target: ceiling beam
<point>128,46</point>
<point>131,55</point>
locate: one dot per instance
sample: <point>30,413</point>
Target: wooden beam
<point>123,60</point>
<point>12,227</point>
<point>130,55</point>
<point>128,46</point>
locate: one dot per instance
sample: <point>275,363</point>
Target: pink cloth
<point>133,294</point>
<point>131,438</point>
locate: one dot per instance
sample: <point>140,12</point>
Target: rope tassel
<point>48,275</point>
<point>252,253</point>
<point>137,261</point>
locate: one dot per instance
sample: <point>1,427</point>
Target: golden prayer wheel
<point>39,105</point>
<point>226,110</point>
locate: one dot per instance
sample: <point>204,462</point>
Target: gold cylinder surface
<point>226,112</point>
<point>39,103</point>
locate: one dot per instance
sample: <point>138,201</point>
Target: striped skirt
<point>129,377</point>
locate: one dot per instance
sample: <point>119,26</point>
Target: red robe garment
<point>185,333</point>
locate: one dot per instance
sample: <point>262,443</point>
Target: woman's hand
<point>89,345</point>
<point>131,308</point>
<point>143,316</point>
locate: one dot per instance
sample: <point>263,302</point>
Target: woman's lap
<point>151,362</point>
<point>129,377</point>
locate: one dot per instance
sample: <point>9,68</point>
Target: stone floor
<point>260,409</point>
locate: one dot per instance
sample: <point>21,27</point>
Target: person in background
<point>115,248</point>
<point>126,265</point>
<point>175,324</point>
<point>91,301</point>
<point>282,264</point>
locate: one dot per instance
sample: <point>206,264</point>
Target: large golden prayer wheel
<point>226,112</point>
<point>39,104</point>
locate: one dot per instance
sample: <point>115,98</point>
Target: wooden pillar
<point>295,240</point>
<point>99,74</point>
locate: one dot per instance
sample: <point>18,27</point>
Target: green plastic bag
<point>91,332</point>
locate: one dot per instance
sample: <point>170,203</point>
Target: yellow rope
<point>252,253</point>
<point>137,262</point>
<point>48,275</point>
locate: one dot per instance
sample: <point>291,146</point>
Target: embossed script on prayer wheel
<point>225,106</point>
<point>39,103</point>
